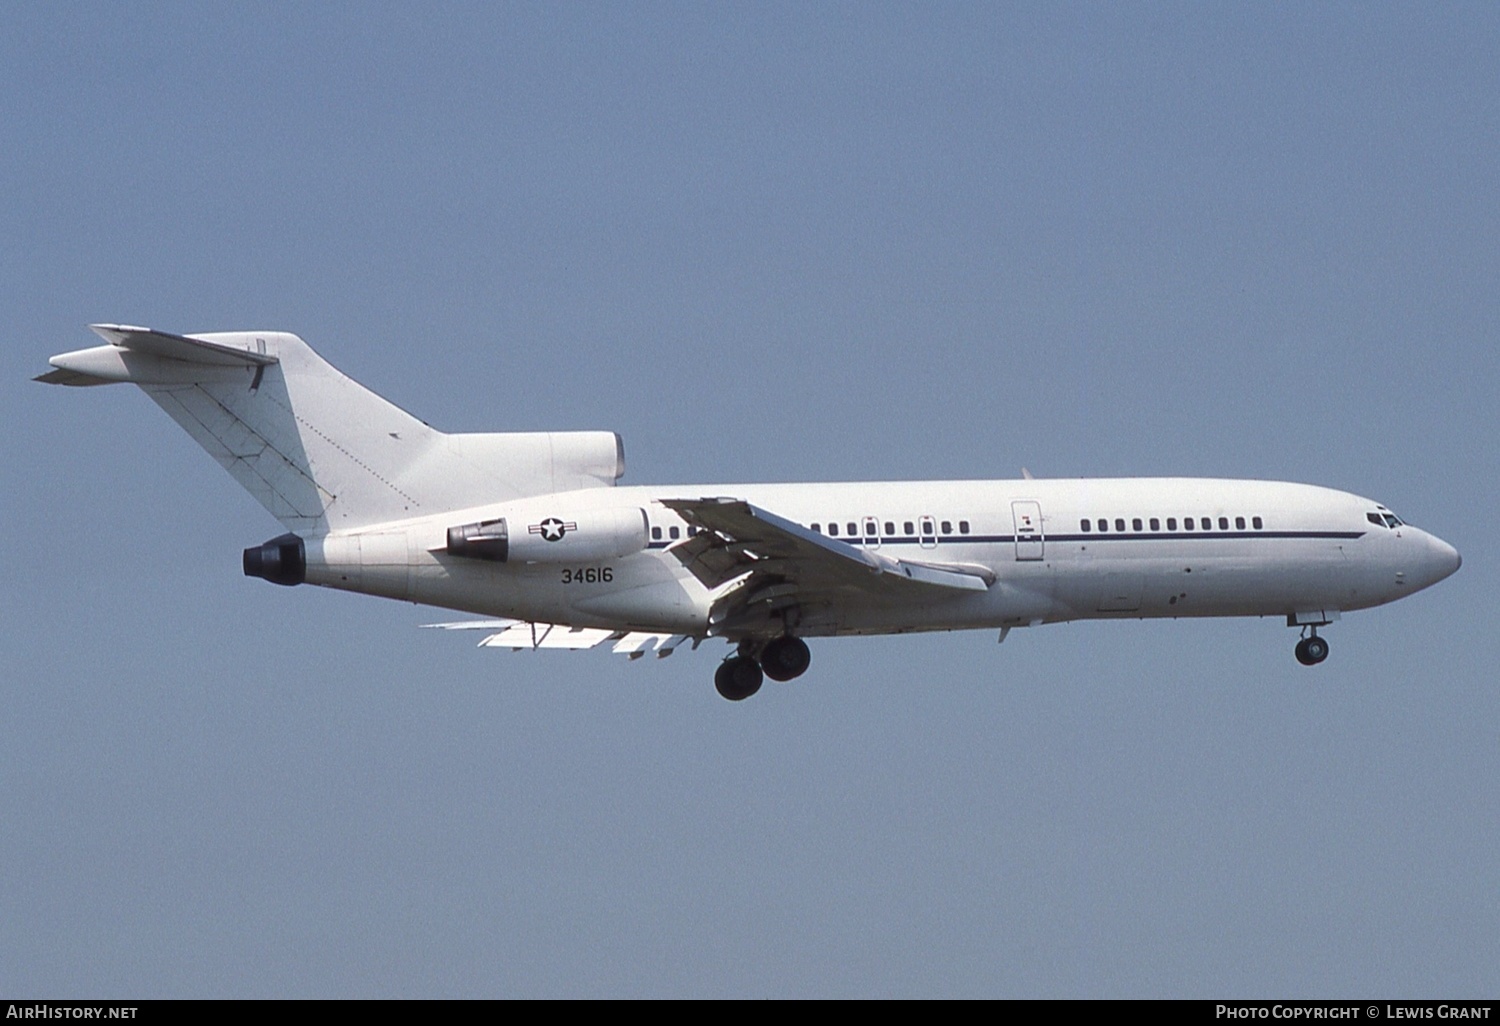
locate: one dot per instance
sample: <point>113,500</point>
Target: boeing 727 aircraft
<point>533,528</point>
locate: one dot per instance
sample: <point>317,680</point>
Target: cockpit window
<point>1384,519</point>
<point>1374,518</point>
<point>1391,520</point>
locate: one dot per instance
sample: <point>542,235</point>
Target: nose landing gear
<point>1312,649</point>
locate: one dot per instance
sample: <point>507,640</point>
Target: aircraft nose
<point>1451,559</point>
<point>1442,559</point>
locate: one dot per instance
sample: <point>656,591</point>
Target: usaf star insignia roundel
<point>552,529</point>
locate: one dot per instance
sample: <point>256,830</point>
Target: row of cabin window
<point>1137,524</point>
<point>672,532</point>
<point>946,527</point>
<point>907,528</point>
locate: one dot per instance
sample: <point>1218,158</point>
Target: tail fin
<point>319,450</point>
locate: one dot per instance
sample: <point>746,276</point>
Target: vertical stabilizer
<point>317,449</point>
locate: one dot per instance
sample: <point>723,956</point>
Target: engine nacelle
<point>571,537</point>
<point>281,560</point>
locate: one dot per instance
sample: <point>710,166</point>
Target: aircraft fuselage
<point>1057,549</point>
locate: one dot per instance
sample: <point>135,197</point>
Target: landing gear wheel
<point>1312,651</point>
<point>737,678</point>
<point>785,658</point>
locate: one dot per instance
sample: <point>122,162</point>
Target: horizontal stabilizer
<point>179,347</point>
<point>77,379</point>
<point>145,357</point>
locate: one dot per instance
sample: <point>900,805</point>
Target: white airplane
<point>534,528</point>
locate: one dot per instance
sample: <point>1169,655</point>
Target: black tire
<point>1312,651</point>
<point>1317,650</point>
<point>737,678</point>
<point>786,658</point>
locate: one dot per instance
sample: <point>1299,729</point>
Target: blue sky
<point>763,242</point>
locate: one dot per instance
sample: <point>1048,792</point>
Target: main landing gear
<point>740,676</point>
<point>1312,649</point>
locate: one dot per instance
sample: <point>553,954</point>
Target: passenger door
<point>1029,536</point>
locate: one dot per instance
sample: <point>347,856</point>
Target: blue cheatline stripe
<point>1007,539</point>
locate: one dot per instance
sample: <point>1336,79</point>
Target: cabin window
<point>907,527</point>
<point>871,529</point>
<point>890,528</point>
<point>963,527</point>
<point>1084,526</point>
<point>1171,523</point>
<point>1223,523</point>
<point>1103,524</point>
<point>1136,525</point>
<point>853,528</point>
<point>814,529</point>
<point>1239,523</point>
<point>1187,524</point>
<point>947,527</point>
<point>674,532</point>
<point>1155,524</point>
<point>1255,522</point>
<point>833,529</point>
<point>656,534</point>
<point>1119,523</point>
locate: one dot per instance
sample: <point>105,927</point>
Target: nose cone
<point>1440,561</point>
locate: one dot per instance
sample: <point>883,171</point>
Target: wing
<point>768,564</point>
<point>520,634</point>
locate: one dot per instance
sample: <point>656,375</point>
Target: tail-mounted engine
<point>281,560</point>
<point>487,539</point>
<point>563,538</point>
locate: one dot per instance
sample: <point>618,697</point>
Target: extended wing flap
<point>520,634</point>
<point>965,578</point>
<point>548,635</point>
<point>635,644</point>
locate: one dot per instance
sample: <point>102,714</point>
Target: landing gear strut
<point>1312,649</point>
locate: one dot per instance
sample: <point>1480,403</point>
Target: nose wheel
<point>1312,649</point>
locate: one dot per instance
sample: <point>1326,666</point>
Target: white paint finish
<point>373,492</point>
